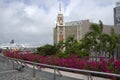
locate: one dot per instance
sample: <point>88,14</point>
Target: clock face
<point>61,22</point>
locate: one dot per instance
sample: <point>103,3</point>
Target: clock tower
<point>60,26</point>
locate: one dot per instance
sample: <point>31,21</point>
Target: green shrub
<point>64,55</point>
<point>46,50</point>
<point>77,51</point>
<point>82,53</point>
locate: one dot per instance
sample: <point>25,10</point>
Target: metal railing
<point>88,73</point>
<point>97,54</point>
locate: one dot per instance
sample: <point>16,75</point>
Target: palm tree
<point>104,40</point>
<point>96,39</point>
<point>67,44</point>
<point>70,41</point>
<point>87,43</point>
<point>95,35</point>
<point>114,41</point>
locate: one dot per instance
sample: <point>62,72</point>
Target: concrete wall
<point>70,31</point>
<point>55,35</point>
<point>85,27</point>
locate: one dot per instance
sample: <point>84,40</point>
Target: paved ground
<point>8,73</point>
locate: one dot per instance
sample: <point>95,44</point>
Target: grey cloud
<point>17,24</point>
<point>91,9</point>
<point>31,23</point>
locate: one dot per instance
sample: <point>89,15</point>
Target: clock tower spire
<point>59,6</point>
<point>60,18</point>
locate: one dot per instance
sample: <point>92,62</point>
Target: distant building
<point>117,14</point>
<point>77,28</point>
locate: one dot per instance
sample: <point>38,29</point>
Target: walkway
<point>8,73</point>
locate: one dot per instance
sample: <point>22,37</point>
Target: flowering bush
<point>103,65</point>
<point>94,65</point>
<point>74,61</point>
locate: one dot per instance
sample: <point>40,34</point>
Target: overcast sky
<point>32,21</point>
